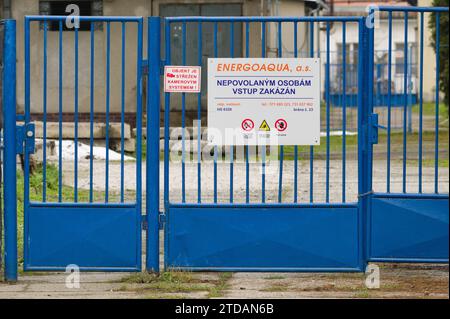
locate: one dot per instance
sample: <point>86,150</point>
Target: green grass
<point>351,143</point>
<point>168,277</point>
<point>429,109</point>
<point>166,282</point>
<point>219,288</point>
<point>277,287</point>
<point>362,293</point>
<point>174,282</point>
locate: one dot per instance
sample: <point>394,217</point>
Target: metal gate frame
<point>181,214</point>
<point>93,236</point>
<point>267,236</point>
<point>425,239</point>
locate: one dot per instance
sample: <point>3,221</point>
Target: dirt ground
<point>396,281</point>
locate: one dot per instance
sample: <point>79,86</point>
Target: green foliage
<point>160,285</point>
<point>444,48</point>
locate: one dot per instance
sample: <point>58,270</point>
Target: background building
<point>17,9</point>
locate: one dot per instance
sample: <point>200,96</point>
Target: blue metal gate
<point>287,208</point>
<point>408,221</point>
<point>301,219</point>
<point>95,230</point>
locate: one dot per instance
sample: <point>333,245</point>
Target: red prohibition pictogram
<point>281,125</point>
<point>247,125</point>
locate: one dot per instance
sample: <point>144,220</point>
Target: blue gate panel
<point>409,228</point>
<point>263,238</point>
<point>94,238</point>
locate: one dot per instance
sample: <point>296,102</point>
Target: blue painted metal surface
<point>94,235</point>
<point>409,229</point>
<point>212,235</point>
<point>94,238</point>
<point>263,237</point>
<point>9,142</point>
<point>396,100</point>
<point>152,162</point>
<point>411,226</point>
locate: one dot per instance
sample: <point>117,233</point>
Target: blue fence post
<point>9,163</point>
<point>365,109</point>
<point>152,146</point>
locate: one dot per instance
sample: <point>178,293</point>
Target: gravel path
<point>272,180</point>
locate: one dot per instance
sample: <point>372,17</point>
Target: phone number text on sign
<point>264,101</point>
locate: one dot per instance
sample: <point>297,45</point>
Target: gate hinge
<point>25,138</point>
<point>144,66</point>
<point>144,222</point>
<point>373,128</point>
<point>162,64</point>
<point>162,220</point>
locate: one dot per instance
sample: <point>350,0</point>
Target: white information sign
<point>264,101</point>
<point>185,79</point>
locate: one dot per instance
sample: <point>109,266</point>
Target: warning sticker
<point>264,126</point>
<point>281,125</point>
<point>184,79</point>
<point>247,125</point>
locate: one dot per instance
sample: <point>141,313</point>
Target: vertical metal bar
<point>152,161</point>
<point>122,117</point>
<point>108,86</point>
<point>183,119</point>
<point>215,146</point>
<point>44,116</point>
<point>247,153</point>
<point>26,158</point>
<point>388,151</point>
<point>166,121</point>
<point>199,117</point>
<point>344,107</point>
<point>436,136</point>
<point>75,177</point>
<point>139,114</point>
<point>9,139</point>
<point>280,176</point>
<point>421,100</point>
<point>295,147</point>
<point>405,95</point>
<point>231,146</point>
<point>60,90</point>
<point>409,101</point>
<point>311,148</point>
<point>263,152</point>
<point>91,116</point>
<point>327,93</point>
<point>365,108</point>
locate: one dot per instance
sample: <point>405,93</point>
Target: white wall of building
<point>380,46</point>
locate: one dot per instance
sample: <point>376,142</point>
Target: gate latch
<point>373,128</point>
<point>162,220</point>
<point>25,135</point>
<point>144,65</point>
